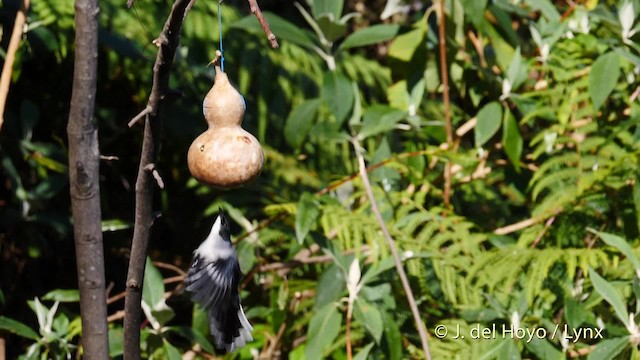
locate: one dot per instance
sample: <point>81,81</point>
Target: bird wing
<point>214,284</point>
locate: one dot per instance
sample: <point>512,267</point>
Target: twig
<point>373,167</point>
<point>444,75</point>
<point>156,175</point>
<point>144,217</point>
<point>547,224</point>
<point>477,44</point>
<point>348,330</point>
<point>116,297</point>
<point>171,267</point>
<point>255,9</point>
<point>516,226</point>
<point>394,251</point>
<point>522,224</point>
<point>14,43</point>
<point>84,183</point>
<point>140,116</point>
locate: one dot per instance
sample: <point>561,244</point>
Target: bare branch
<point>14,43</point>
<point>144,215</point>
<point>394,251</point>
<point>139,117</point>
<point>255,9</point>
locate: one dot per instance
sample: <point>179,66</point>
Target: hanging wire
<point>220,23</point>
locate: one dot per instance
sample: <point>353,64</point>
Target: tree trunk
<point>84,167</point>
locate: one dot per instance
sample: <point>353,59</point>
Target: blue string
<point>220,23</point>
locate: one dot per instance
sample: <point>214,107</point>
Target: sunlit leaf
<point>622,245</point>
<point>323,329</point>
<point>603,77</point>
<point>332,7</point>
<point>330,286</point>
<point>379,119</point>
<point>370,316</point>
<point>306,217</point>
<point>488,122</point>
<point>609,348</point>
<point>70,295</point>
<point>611,295</point>
<point>300,121</point>
<point>18,328</point>
<point>338,94</point>
<point>171,352</point>
<point>512,139</point>
<point>370,35</point>
<point>363,354</point>
<point>283,29</point>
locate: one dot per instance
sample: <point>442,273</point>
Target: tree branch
<point>167,43</point>
<point>255,9</point>
<point>84,177</point>
<point>14,43</point>
<point>444,76</point>
<point>394,251</point>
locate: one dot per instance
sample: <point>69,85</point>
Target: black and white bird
<point>213,280</point>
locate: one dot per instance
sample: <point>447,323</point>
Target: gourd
<point>225,156</point>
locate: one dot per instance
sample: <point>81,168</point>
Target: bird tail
<point>230,331</point>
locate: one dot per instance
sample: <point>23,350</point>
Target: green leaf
<point>331,29</point>
<point>330,286</point>
<point>517,71</point>
<point>392,343</point>
<point>282,29</point>
<point>378,119</point>
<point>603,78</point>
<point>115,225</point>
<point>18,328</point>
<point>377,268</point>
<point>609,349</point>
<point>474,9</point>
<point>323,329</point>
<point>356,114</point>
<point>116,342</point>
<point>543,349</point>
<point>547,8</point>
<point>153,287</point>
<point>488,122</point>
<point>398,95</point>
<point>338,94</point>
<point>199,321</point>
<point>370,35</point>
<point>70,295</point>
<point>193,335</point>
<point>370,317</point>
<point>622,245</point>
<point>363,354</point>
<point>611,295</point>
<point>300,121</point>
<point>331,7</point>
<point>512,139</point>
<point>170,351</point>
<point>307,215</point>
<point>636,198</point>
<point>404,46</point>
<point>574,312</point>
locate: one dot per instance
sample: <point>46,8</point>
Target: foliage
<point>540,234</point>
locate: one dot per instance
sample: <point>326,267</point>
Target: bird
<point>212,280</point>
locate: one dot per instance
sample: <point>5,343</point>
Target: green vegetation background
<point>541,227</point>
